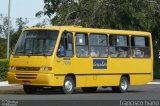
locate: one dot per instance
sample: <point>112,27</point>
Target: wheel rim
<point>124,85</point>
<point>68,86</point>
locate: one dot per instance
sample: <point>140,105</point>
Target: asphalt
<point>150,91</point>
<point>145,92</point>
<point>15,96</point>
<point>6,88</point>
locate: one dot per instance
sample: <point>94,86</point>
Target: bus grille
<point>26,76</point>
<point>28,68</point>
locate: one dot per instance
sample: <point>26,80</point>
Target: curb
<point>154,83</point>
<point>11,91</point>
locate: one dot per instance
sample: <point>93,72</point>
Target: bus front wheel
<point>69,85</point>
<point>123,85</point>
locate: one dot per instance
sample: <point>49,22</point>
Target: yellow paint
<point>139,70</point>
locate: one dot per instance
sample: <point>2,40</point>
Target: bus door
<point>65,53</point>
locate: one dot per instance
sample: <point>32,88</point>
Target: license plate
<point>26,82</point>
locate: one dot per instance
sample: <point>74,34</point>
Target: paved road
<point>146,92</point>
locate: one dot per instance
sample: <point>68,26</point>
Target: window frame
<point>128,46</point>
<point>107,46</point>
<point>21,38</point>
<point>86,34</point>
<point>149,46</point>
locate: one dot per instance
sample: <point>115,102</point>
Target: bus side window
<point>81,45</point>
<point>98,44</point>
<point>119,46</point>
<point>140,47</point>
<point>65,48</point>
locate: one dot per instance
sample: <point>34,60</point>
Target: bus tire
<point>28,89</point>
<point>69,85</point>
<point>89,89</point>
<point>123,85</point>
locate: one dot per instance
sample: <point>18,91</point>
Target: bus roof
<point>90,30</point>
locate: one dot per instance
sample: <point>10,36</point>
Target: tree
<point>4,26</point>
<point>43,23</point>
<point>3,34</point>
<point>14,34</point>
<point>119,14</point>
<point>21,23</point>
<point>2,48</point>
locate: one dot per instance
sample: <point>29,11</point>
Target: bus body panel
<point>28,78</point>
<point>140,70</point>
<point>35,61</point>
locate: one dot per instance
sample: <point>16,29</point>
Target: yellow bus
<point>70,57</point>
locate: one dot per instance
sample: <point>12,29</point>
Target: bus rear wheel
<point>123,85</point>
<point>28,89</point>
<point>69,85</point>
<point>89,89</point>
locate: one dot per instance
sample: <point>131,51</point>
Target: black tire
<point>123,85</point>
<point>28,89</point>
<point>89,89</point>
<point>69,85</point>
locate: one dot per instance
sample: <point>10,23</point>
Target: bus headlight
<point>46,68</point>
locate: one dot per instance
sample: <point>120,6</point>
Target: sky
<point>24,9</point>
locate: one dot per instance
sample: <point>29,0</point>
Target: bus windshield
<point>37,42</point>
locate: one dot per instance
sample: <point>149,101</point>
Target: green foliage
<point>2,47</point>
<point>14,35</point>
<point>3,69</point>
<point>115,14</point>
<point>4,26</point>
<point>42,24</point>
<point>21,23</point>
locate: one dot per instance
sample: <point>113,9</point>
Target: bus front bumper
<point>22,78</point>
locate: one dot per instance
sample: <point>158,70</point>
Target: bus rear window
<point>119,46</point>
<point>140,47</point>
